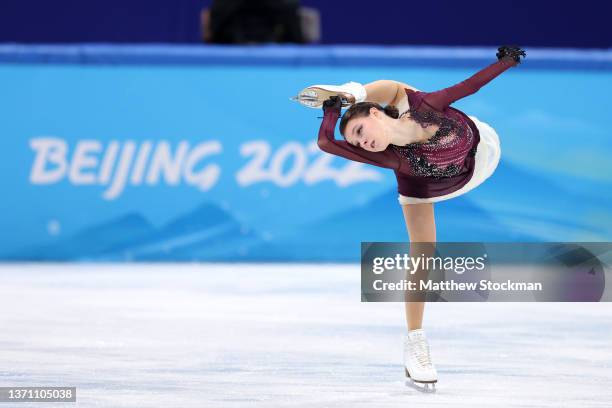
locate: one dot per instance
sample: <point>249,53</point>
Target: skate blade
<point>314,97</point>
<point>425,388</point>
<point>422,386</point>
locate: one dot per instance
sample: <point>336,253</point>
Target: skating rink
<point>283,335</point>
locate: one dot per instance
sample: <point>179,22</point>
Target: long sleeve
<point>327,142</point>
<point>440,100</point>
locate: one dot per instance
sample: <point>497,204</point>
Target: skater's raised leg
<point>384,92</point>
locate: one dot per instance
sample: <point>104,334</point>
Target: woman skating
<point>436,152</point>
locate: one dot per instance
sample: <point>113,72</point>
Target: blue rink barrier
<point>296,56</point>
<point>126,153</point>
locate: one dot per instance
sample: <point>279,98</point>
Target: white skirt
<point>488,153</point>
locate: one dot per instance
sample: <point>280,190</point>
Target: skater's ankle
<point>412,329</point>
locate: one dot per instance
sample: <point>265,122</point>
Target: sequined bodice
<point>443,155</point>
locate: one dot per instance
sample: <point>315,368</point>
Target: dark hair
<point>362,109</point>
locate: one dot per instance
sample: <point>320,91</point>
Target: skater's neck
<point>405,131</point>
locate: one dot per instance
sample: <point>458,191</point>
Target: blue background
<point>553,182</point>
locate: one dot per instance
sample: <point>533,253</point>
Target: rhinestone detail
<point>448,141</point>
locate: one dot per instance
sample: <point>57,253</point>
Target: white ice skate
<point>314,96</point>
<point>417,361</point>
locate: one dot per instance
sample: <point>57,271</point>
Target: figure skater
<point>436,152</point>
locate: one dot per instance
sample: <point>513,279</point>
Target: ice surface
<point>283,335</point>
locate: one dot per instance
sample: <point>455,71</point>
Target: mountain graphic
<point>514,205</point>
<point>90,240</point>
<point>205,233</point>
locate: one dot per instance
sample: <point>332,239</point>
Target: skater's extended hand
<point>511,51</point>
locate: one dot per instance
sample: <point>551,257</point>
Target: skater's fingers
<point>333,102</point>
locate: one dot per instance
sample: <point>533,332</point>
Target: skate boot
<point>417,361</point>
<point>314,96</point>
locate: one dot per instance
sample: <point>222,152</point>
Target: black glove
<point>511,51</point>
<point>332,102</point>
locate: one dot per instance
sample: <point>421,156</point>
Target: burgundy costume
<point>443,164</point>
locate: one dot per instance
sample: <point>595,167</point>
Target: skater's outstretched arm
<point>440,100</point>
<point>328,143</point>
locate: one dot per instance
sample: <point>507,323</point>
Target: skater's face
<point>368,132</point>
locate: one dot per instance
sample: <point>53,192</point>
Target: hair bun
<point>392,111</point>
